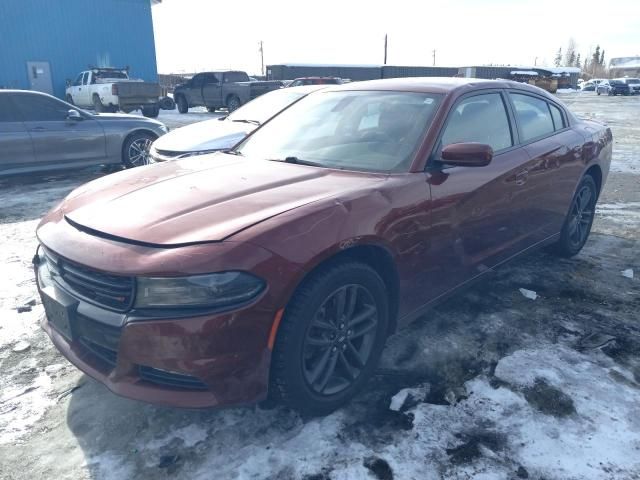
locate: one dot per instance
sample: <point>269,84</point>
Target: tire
<point>233,103</point>
<point>314,378</point>
<point>577,225</point>
<point>167,103</point>
<point>598,92</point>
<point>69,99</point>
<point>97,104</point>
<point>183,106</point>
<point>211,109</point>
<point>151,111</point>
<point>136,149</point>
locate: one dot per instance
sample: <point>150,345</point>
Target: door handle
<point>521,177</point>
<point>38,129</point>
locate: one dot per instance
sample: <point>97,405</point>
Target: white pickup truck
<point>111,89</point>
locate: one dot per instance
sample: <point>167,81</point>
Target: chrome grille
<point>114,292</point>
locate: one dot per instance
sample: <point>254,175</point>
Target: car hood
<point>204,136</point>
<point>199,199</point>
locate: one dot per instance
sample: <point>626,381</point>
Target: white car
<point>224,132</point>
<point>110,89</point>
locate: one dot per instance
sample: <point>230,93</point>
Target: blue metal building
<point>45,42</point>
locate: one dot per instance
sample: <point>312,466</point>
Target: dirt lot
<point>489,385</point>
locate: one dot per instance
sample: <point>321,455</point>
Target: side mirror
<point>467,154</point>
<point>74,115</point>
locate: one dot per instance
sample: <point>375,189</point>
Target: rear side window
<point>480,119</point>
<point>231,77</point>
<point>533,116</point>
<point>558,120</point>
<point>38,108</point>
<point>6,109</point>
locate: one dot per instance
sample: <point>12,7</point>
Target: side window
<point>85,80</point>
<point>558,120</point>
<point>6,109</point>
<point>78,81</point>
<point>197,81</point>
<point>481,119</point>
<point>533,116</point>
<point>38,108</point>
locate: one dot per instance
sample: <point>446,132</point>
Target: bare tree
<point>570,53</point>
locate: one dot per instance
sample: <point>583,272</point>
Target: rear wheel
<point>135,151</point>
<point>211,109</point>
<point>151,111</point>
<point>233,103</point>
<point>330,339</point>
<point>577,225</point>
<point>183,106</point>
<point>97,104</point>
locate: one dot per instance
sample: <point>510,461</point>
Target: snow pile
<point>628,273</point>
<point>530,294</point>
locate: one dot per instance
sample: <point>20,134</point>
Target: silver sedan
<point>38,132</point>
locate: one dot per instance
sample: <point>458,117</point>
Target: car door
<point>547,181</point>
<point>55,137</point>
<point>16,149</point>
<point>212,90</point>
<point>195,90</point>
<point>474,219</point>
<point>74,90</point>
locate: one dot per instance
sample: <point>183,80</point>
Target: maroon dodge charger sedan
<point>280,267</point>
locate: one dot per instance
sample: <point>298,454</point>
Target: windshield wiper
<point>243,120</point>
<point>296,161</point>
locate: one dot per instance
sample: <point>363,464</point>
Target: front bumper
<point>205,360</point>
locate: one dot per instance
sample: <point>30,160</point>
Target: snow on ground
<point>488,385</point>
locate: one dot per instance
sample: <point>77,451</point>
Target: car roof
<point>433,85</point>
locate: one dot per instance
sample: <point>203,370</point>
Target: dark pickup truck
<point>214,90</point>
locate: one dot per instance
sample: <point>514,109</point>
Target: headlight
<point>213,290</point>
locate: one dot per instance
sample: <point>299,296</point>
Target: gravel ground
<point>490,384</point>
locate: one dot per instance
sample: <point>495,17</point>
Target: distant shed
<point>45,42</point>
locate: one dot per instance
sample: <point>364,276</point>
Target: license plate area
<point>60,311</point>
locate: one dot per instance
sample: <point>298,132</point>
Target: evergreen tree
<point>571,60</point>
<point>602,58</point>
<point>578,61</point>
<point>558,59</point>
<point>596,57</point>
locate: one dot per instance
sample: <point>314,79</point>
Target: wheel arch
<point>374,255</point>
<point>131,134</point>
<point>596,173</point>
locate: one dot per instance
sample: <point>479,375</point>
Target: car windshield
<point>376,131</point>
<point>266,106</point>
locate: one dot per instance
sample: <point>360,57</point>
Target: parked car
<point>281,267</point>
<point>590,85</point>
<point>613,87</point>
<point>214,90</point>
<point>315,81</point>
<point>632,83</point>
<point>39,132</point>
<point>224,132</point>
<point>111,89</point>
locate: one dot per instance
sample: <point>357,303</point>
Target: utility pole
<point>434,57</point>
<point>261,59</point>
<point>385,48</point>
<point>535,62</point>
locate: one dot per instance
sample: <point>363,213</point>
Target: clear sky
<point>195,35</point>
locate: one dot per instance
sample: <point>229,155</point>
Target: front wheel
<point>183,106</point>
<point>69,99</point>
<point>135,151</point>
<point>577,225</point>
<point>331,338</point>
